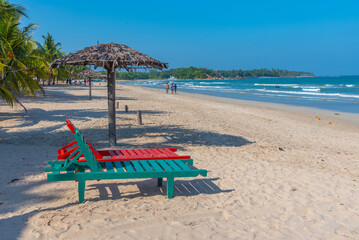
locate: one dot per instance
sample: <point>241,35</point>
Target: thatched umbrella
<point>89,73</point>
<point>110,56</point>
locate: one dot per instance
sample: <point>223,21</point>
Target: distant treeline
<point>204,73</point>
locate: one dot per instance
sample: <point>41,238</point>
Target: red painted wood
<point>168,152</point>
<point>119,155</point>
<point>147,154</point>
<point>124,152</point>
<point>152,152</point>
<point>132,153</point>
<point>159,153</point>
<point>70,126</point>
<point>139,153</point>
<point>112,153</point>
<point>173,149</point>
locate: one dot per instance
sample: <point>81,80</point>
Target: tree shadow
<point>56,95</point>
<point>148,188</point>
<point>165,136</point>
<point>46,131</point>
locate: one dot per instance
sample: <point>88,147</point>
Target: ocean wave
<point>211,83</point>
<point>349,85</point>
<point>270,84</point>
<point>313,93</point>
<point>311,89</point>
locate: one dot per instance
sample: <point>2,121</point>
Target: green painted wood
<point>109,167</point>
<point>146,166</point>
<point>159,182</point>
<point>173,165</point>
<point>123,175</point>
<point>119,166</point>
<point>188,161</point>
<point>81,190</point>
<point>138,166</point>
<point>181,164</point>
<point>128,166</point>
<point>91,161</point>
<point>164,165</point>
<point>170,186</point>
<point>155,165</point>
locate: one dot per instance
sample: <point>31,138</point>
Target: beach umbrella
<point>110,56</point>
<point>89,73</point>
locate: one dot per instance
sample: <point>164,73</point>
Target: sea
<point>336,93</point>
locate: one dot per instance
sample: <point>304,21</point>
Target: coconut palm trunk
<point>111,90</point>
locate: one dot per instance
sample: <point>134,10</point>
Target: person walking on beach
<point>175,88</point>
<point>167,87</point>
<point>172,87</point>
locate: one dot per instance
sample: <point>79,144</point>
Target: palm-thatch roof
<point>90,73</point>
<point>110,56</point>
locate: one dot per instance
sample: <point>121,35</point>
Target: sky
<point>316,36</point>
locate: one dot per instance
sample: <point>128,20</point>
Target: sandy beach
<point>274,171</point>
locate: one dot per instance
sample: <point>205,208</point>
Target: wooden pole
<point>111,90</point>
<point>126,108</point>
<point>139,118</point>
<point>89,88</point>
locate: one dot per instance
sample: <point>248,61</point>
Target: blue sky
<point>316,36</point>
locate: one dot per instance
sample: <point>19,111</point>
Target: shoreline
<point>332,96</point>
<point>352,118</point>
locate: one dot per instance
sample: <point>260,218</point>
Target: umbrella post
<point>111,89</point>
<point>90,88</point>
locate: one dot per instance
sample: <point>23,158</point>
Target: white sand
<point>254,190</point>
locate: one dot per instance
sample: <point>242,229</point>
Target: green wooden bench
<point>71,169</point>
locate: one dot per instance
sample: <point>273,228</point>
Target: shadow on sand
<point>169,135</point>
<point>149,188</point>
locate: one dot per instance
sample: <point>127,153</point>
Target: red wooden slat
<point>132,153</point>
<point>167,152</point>
<point>159,153</point>
<point>112,153</point>
<point>124,152</point>
<point>70,126</point>
<point>152,153</point>
<point>67,146</point>
<point>119,155</point>
<point>147,154</point>
<point>172,149</point>
<point>139,153</point>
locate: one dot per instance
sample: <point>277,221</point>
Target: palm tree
<point>18,61</point>
<point>51,51</point>
<point>7,9</point>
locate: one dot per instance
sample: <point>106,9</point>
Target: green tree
<point>50,51</point>
<point>18,61</point>
<point>9,10</point>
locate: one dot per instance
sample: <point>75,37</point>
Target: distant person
<point>175,88</point>
<point>167,87</point>
<point>265,88</point>
<point>172,87</point>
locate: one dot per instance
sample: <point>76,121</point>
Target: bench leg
<point>170,186</point>
<point>82,184</point>
<point>159,182</point>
